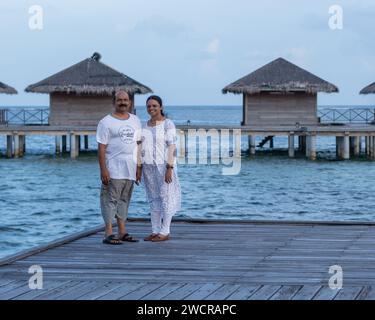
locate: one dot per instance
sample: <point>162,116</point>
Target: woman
<point>158,169</point>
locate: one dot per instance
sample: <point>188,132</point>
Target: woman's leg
<point>156,221</point>
<point>166,224</point>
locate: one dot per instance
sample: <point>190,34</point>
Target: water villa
<point>79,97</point>
<point>280,98</point>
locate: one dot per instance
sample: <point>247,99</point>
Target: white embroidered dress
<point>164,198</point>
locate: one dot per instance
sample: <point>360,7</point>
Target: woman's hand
<point>168,175</point>
<point>104,175</point>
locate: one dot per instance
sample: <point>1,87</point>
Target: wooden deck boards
<point>217,261</point>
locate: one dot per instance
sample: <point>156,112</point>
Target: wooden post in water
<point>367,145</point>
<point>86,138</point>
<point>58,144</point>
<point>302,144</point>
<point>63,140</point>
<point>346,147</point>
<point>74,145</point>
<point>271,143</point>
<point>9,152</point>
<point>251,144</point>
<point>291,144</point>
<point>311,146</point>
<point>22,145</point>
<point>16,138</point>
<point>357,145</point>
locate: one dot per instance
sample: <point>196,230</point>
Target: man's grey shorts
<point>115,198</point>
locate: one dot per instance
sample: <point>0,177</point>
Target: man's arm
<point>104,173</point>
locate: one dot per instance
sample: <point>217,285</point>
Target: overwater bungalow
<point>83,94</point>
<point>4,88</point>
<point>280,94</point>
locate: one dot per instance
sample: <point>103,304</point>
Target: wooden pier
<point>217,260</point>
<point>349,138</point>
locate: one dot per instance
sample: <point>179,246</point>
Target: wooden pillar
<point>86,137</point>
<point>79,142</point>
<point>302,144</point>
<point>58,144</point>
<point>22,145</point>
<point>357,146</point>
<point>311,147</point>
<point>367,145</point>
<point>63,140</point>
<point>9,153</point>
<point>16,138</point>
<point>251,144</point>
<point>271,143</point>
<point>346,147</point>
<point>291,145</point>
<point>74,144</point>
<point>372,147</point>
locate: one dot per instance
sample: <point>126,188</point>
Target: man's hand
<point>104,175</point>
<point>168,175</point>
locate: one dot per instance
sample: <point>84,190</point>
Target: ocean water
<point>44,197</point>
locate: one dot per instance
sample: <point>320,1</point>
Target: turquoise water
<point>44,197</point>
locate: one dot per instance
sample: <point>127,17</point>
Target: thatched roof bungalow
<point>369,89</point>
<point>82,94</point>
<point>4,88</point>
<point>279,93</point>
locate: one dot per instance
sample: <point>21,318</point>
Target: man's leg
<point>125,192</point>
<point>166,224</point>
<point>108,209</point>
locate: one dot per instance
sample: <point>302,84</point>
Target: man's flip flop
<point>112,239</point>
<point>127,237</point>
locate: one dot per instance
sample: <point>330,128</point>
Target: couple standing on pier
<point>130,153</point>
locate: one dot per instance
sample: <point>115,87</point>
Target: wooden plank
<point>60,290</point>
<point>203,291</point>
<point>326,293</point>
<point>140,292</point>
<point>47,287</point>
<point>121,291</point>
<point>286,292</point>
<point>348,293</point>
<point>243,292</point>
<point>12,286</point>
<point>101,290</point>
<point>182,292</point>
<point>223,292</point>
<point>367,293</point>
<point>307,292</point>
<point>265,292</point>
<point>163,291</point>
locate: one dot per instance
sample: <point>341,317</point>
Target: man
<point>118,135</point>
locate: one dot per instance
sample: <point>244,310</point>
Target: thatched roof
<point>369,89</point>
<point>282,76</point>
<point>7,89</point>
<point>89,76</point>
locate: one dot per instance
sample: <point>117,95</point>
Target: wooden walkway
<point>204,260</point>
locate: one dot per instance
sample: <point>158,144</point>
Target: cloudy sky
<point>188,50</point>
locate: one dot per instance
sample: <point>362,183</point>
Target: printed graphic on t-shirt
<point>126,134</point>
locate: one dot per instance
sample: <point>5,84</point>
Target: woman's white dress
<point>164,198</point>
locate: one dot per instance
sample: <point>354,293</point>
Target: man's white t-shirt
<point>121,137</point>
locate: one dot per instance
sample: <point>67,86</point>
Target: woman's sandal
<point>160,237</point>
<point>150,237</point>
<point>127,237</point>
<point>111,239</point>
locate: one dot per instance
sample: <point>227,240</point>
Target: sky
<point>188,50</point>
